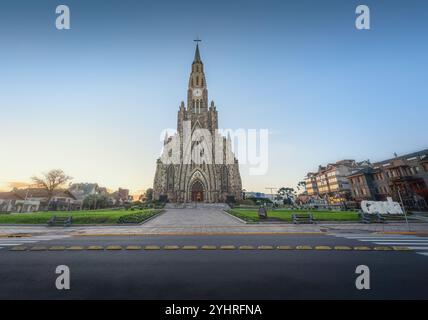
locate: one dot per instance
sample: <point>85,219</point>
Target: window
<point>170,178</point>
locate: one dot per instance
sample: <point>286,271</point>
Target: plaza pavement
<point>205,221</point>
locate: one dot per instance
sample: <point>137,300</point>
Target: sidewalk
<point>418,228</point>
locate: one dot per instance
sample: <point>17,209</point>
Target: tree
<point>51,181</point>
<point>149,194</point>
<point>301,185</point>
<point>96,201</point>
<point>288,194</point>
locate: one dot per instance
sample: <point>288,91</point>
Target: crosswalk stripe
<point>423,253</point>
<point>374,236</point>
<point>368,238</point>
<point>416,243</point>
<point>406,243</point>
<point>8,242</point>
<point>391,240</point>
<point>401,240</point>
<point>380,237</point>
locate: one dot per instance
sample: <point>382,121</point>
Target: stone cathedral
<point>186,179</point>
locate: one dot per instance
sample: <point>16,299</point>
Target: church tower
<point>197,93</point>
<point>200,111</point>
<point>197,181</point>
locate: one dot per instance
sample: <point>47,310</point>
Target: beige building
<point>330,182</point>
<point>197,163</point>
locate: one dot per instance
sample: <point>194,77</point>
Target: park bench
<point>303,218</point>
<point>63,221</point>
<point>372,218</point>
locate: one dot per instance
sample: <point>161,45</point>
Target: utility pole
<point>404,209</point>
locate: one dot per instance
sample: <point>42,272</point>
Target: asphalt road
<point>211,274</point>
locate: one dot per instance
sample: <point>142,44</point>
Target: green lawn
<point>82,217</point>
<point>251,215</point>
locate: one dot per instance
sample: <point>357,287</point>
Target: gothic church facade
<point>197,181</point>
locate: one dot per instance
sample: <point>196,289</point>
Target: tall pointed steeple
<point>197,94</point>
<point>197,54</point>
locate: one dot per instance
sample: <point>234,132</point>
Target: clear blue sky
<point>93,100</point>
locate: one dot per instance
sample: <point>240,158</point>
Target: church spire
<point>197,54</point>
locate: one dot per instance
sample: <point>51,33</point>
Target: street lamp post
<point>404,209</point>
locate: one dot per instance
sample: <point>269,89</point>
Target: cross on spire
<point>197,55</point>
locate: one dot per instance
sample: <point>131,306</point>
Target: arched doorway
<point>197,191</point>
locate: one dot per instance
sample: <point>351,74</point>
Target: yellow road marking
<point>95,248</point>
<point>75,248</point>
<point>171,247</point>
<point>57,248</point>
<point>208,247</point>
<point>342,248</point>
<point>362,248</point>
<point>265,247</point>
<point>133,248</point>
<point>20,248</point>
<point>398,248</point>
<point>114,248</point>
<point>303,248</point>
<point>381,248</point>
<point>246,248</point>
<point>190,248</point>
<point>322,248</point>
<point>211,247</point>
<point>151,248</point>
<point>227,247</point>
<point>38,248</point>
<point>284,248</point>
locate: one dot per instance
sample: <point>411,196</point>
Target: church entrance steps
<point>197,205</point>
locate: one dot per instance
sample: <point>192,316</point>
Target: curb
<point>299,248</point>
<point>194,234</point>
<point>152,217</point>
<point>235,217</point>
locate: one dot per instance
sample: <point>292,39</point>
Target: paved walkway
<point>193,218</point>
